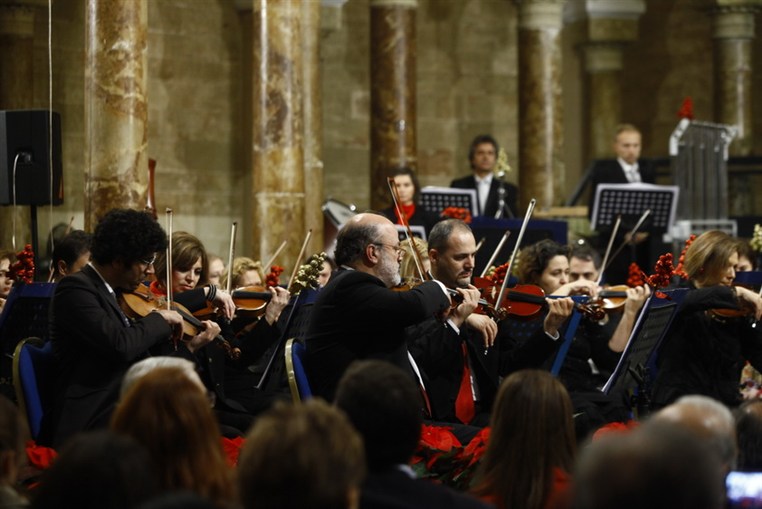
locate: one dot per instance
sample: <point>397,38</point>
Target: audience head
<point>532,435</point>
<point>710,259</point>
<point>245,272</point>
<point>169,413</point>
<point>369,242</point>
<point>482,154</point>
<point>126,236</point>
<point>71,253</point>
<point>452,250</point>
<point>329,266</point>
<point>388,420</point>
<point>749,434</point>
<point>584,263</point>
<point>746,256</point>
<point>658,466</point>
<point>95,470</point>
<point>190,265</point>
<point>545,264</point>
<point>406,182</point>
<point>142,368</point>
<point>305,456</point>
<point>709,420</point>
<point>627,143</point>
<point>12,438</point>
<point>216,269</point>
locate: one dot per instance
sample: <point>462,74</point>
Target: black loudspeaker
<point>25,133</point>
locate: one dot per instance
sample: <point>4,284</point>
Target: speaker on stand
<point>29,159</point>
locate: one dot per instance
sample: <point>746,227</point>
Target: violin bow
<point>608,249</point>
<point>408,232</point>
<point>275,254</point>
<point>168,281</point>
<point>631,233</point>
<point>300,258</point>
<point>528,214</point>
<point>495,252</point>
<point>231,251</point>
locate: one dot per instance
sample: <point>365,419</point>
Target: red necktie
<point>464,403</point>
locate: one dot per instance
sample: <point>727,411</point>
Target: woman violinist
<point>409,192</point>
<point>704,351</point>
<point>595,350</point>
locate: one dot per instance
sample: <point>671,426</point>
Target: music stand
<point>633,370</point>
<point>24,315</point>
<point>630,201</point>
<point>436,199</point>
<point>416,230</point>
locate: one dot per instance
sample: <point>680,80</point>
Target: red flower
<point>23,269</point>
<point>232,448</point>
<point>273,278</point>
<point>477,447</point>
<point>686,110</point>
<point>614,427</point>
<point>39,456</point>
<point>457,213</point>
<point>439,438</point>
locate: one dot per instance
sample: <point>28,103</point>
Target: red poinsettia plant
<point>457,213</point>
<point>23,269</point>
<point>273,277</point>
<point>441,457</point>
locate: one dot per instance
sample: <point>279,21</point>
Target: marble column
<point>541,174</point>
<point>392,93</point>
<point>603,64</point>
<point>16,93</point>
<point>116,111</point>
<point>278,189</point>
<point>313,121</point>
<point>733,68</point>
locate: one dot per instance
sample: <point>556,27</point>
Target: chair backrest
<point>297,376</point>
<point>32,371</point>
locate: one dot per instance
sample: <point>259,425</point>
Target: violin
<point>251,300</point>
<point>526,301</point>
<point>612,298</point>
<point>141,301</point>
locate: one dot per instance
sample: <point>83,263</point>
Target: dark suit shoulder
<point>467,182</point>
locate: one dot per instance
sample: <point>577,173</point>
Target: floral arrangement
<point>441,457</point>
<point>457,213</point>
<point>273,277</point>
<point>23,269</point>
<point>686,110</point>
<point>756,238</point>
<point>634,276</point>
<point>307,275</point>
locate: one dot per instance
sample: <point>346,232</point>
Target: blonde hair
<point>707,257</point>
<point>241,266</point>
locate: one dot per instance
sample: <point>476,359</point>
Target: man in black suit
<point>93,341</point>
<point>382,403</point>
<point>482,155</point>
<point>443,351</point>
<point>627,168</point>
<point>357,315</point>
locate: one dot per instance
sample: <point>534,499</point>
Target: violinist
<point>236,402</point>
<point>467,339</point>
<point>704,351</point>
<point>594,350</point>
<point>357,315</point>
<point>409,193</point>
<point>93,341</point>
<point>216,269</point>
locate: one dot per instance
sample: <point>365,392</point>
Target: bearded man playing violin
<point>93,341</point>
<point>468,340</point>
<point>357,315</point>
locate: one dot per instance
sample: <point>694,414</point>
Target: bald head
<point>368,242</point>
<point>708,419</point>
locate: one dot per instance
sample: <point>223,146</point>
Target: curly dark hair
<point>71,247</point>
<point>534,259</point>
<point>126,235</point>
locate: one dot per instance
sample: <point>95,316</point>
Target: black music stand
<point>633,373</point>
<point>416,230</point>
<point>436,199</point>
<point>24,315</point>
<point>630,201</point>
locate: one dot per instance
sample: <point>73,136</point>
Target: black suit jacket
<point>609,171</point>
<point>94,345</point>
<point>437,350</point>
<point>394,489</point>
<point>511,195</point>
<point>357,317</point>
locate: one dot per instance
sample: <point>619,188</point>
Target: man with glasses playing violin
<point>357,315</point>
<point>462,361</point>
<point>94,343</point>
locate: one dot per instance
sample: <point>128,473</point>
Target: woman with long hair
<point>531,448</point>
<point>168,412</point>
<point>409,193</point>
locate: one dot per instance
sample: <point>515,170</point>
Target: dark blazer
<point>422,217</point>
<point>511,195</point>
<point>94,344</point>
<point>394,489</point>
<point>357,317</point>
<point>437,350</point>
<point>609,171</point>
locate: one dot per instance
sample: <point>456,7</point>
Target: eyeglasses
<point>148,261</point>
<point>397,250</point>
